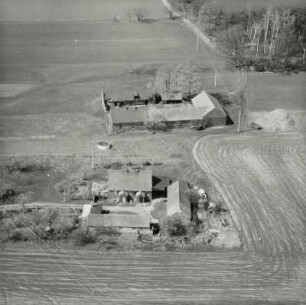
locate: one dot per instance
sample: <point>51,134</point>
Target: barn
<point>178,202</point>
<point>203,111</point>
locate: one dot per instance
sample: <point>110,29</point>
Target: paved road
<point>260,177</point>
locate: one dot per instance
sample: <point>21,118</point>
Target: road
<point>260,176</point>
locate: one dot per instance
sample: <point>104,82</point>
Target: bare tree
<point>302,43</point>
<point>140,13</point>
<point>266,27</point>
<point>168,12</point>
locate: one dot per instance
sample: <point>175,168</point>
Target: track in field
<point>262,178</point>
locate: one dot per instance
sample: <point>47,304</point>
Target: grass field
<point>58,10</point>
<point>52,71</point>
<point>266,92</point>
<point>236,5</point>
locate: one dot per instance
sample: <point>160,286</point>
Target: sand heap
<point>279,120</point>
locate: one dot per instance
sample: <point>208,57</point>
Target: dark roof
<point>131,180</point>
<point>129,114</point>
<point>178,200</point>
<point>172,96</point>
<point>160,183</point>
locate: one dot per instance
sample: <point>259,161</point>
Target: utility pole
<point>92,158</point>
<point>239,121</point>
<point>216,73</point>
<point>197,45</point>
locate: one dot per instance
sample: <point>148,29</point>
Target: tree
<point>140,13</point>
<point>176,227</point>
<point>235,40</point>
<point>154,120</point>
<point>168,12</point>
<point>302,42</point>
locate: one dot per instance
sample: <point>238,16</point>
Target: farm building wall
<point>215,118</point>
<point>127,126</point>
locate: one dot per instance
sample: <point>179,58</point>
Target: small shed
<point>178,201</point>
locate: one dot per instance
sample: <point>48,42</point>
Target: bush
<point>84,237</point>
<point>18,235</point>
<point>176,227</point>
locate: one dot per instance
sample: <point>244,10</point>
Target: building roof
<point>201,105</point>
<point>123,217</point>
<point>129,114</point>
<point>170,96</point>
<point>205,100</point>
<point>178,112</point>
<point>131,180</point>
<point>160,183</point>
<point>178,200</point>
<point>118,220</point>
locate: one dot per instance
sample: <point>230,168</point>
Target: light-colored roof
<point>180,112</point>
<point>86,210</point>
<point>177,198</point>
<point>132,180</point>
<point>118,220</point>
<point>129,114</point>
<point>205,100</point>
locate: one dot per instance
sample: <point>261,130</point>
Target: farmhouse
<point>131,184</point>
<point>178,203</point>
<point>203,111</point>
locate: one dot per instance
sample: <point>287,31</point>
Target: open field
<point>236,5</point>
<point>261,178</point>
<point>269,91</point>
<point>58,10</point>
<point>67,64</point>
<point>43,276</point>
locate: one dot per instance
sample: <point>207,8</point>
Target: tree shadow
<point>148,20</point>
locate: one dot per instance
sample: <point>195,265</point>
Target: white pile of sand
<point>279,120</point>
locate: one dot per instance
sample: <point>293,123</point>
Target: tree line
<point>266,38</point>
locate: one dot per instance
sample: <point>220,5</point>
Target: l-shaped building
<point>203,111</point>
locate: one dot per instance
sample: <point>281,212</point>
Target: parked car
<point>255,126</point>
